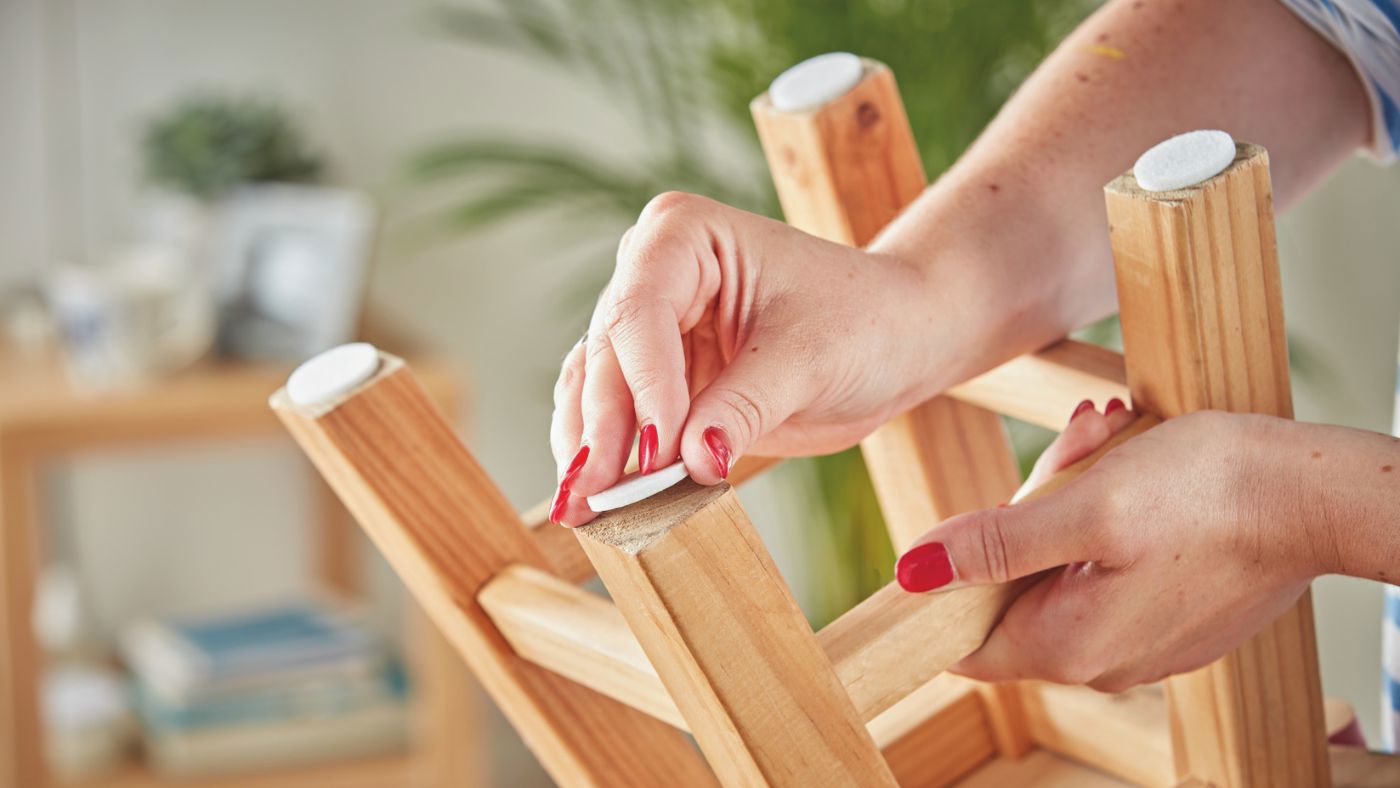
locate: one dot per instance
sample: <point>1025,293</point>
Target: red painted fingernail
<point>575,465</point>
<point>561,500</point>
<point>1080,408</point>
<point>561,497</point>
<point>719,450</point>
<point>646,448</point>
<point>1114,405</point>
<point>924,568</point>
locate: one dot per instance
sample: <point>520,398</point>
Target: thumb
<point>1002,544</point>
<point>749,398</point>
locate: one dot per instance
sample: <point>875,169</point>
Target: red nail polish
<point>719,450</point>
<point>1080,408</point>
<point>646,448</point>
<point>924,568</point>
<point>575,465</point>
<point>561,500</point>
<point>1114,405</point>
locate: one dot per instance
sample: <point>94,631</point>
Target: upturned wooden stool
<point>704,635</point>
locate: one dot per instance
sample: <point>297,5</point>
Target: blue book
<point>191,657</point>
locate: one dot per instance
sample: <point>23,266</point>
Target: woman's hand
<point>721,332</point>
<point>1169,552</point>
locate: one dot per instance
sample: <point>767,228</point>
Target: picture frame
<point>290,263</point>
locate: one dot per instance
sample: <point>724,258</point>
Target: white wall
<point>373,83</point>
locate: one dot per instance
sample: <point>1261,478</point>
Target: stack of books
<point>278,687</point>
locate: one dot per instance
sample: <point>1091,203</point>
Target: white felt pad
<point>636,487</point>
<point>815,81</point>
<point>1184,160</point>
<point>333,373</point>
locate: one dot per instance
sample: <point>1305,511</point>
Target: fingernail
<point>561,500</point>
<point>575,465</point>
<point>1114,405</point>
<point>561,497</point>
<point>646,448</point>
<point>924,568</point>
<point>1080,408</point>
<point>719,450</point>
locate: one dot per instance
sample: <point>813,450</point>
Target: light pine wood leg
<point>446,529</point>
<point>844,171</point>
<point>1202,314</point>
<point>726,637</point>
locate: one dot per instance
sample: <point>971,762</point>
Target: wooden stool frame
<point>704,635</point>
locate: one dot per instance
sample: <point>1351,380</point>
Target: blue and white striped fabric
<point>1366,32</point>
<point>1390,689</point>
<point>1390,635</point>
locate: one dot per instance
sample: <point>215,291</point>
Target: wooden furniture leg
<point>726,637</point>
<point>1202,314</point>
<point>21,753</point>
<point>843,171</point>
<point>446,529</point>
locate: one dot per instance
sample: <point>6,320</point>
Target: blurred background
<point>193,196</point>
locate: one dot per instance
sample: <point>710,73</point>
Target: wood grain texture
<point>1202,314</point>
<point>720,626</point>
<point>446,530</point>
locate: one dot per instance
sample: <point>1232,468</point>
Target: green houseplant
<point>208,144</point>
<point>685,72</point>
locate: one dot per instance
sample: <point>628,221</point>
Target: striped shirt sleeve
<point>1366,31</point>
<point>1390,635</point>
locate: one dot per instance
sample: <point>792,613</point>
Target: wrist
<point>995,274</point>
<point>1297,461</point>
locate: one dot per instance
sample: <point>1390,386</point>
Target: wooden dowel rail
<point>580,635</point>
<point>1042,388</point>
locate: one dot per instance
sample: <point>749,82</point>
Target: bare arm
<point>1014,237</point>
<point>724,332</point>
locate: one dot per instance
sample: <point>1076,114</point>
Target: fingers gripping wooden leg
<point>727,639</point>
<point>447,530</point>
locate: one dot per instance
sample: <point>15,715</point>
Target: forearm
<point>1014,238</point>
<point>1342,487</point>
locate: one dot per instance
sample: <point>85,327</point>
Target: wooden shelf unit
<point>44,420</point>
